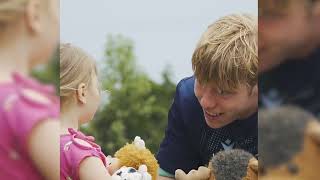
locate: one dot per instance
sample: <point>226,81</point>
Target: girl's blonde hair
<point>11,10</point>
<point>76,67</point>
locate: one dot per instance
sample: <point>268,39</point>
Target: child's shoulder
<point>74,148</point>
<point>25,103</point>
<point>26,92</point>
<point>79,140</point>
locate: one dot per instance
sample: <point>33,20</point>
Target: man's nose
<point>208,101</point>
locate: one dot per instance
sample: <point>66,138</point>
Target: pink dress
<point>74,148</point>
<point>23,104</point>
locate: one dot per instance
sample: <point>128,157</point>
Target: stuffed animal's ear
<point>314,131</point>
<point>252,169</point>
<point>180,175</point>
<point>139,143</point>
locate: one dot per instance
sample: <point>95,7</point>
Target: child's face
<point>93,97</point>
<point>222,108</point>
<point>46,33</point>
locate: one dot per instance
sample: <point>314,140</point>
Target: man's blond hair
<point>227,53</point>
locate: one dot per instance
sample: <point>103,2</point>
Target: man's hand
<point>203,173</point>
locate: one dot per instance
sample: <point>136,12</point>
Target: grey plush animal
<point>232,164</point>
<point>289,144</point>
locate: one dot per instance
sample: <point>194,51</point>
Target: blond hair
<point>227,53</point>
<point>11,10</point>
<point>76,67</point>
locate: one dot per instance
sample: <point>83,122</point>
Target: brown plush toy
<point>134,155</point>
<point>233,164</point>
<point>291,144</point>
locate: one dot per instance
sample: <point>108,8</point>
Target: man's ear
<point>33,16</point>
<point>82,93</point>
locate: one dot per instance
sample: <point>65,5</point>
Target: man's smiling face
<point>221,108</point>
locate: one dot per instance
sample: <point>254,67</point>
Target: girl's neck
<point>13,58</point>
<point>69,119</point>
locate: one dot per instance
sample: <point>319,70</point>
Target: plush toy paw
<point>144,171</point>
<point>129,173</point>
<point>113,164</point>
<point>202,173</point>
<point>139,143</point>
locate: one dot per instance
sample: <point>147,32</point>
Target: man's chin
<point>216,124</point>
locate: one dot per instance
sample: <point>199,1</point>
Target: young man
<point>289,53</point>
<point>216,109</point>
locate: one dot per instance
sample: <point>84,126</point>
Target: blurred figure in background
<point>29,130</point>
<point>289,53</point>
<point>289,73</point>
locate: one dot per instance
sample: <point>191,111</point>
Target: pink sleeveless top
<point>20,111</point>
<point>74,148</point>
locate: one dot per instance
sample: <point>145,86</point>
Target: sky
<point>164,32</point>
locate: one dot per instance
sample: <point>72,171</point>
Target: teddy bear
<point>135,161</point>
<point>235,164</point>
<point>290,147</point>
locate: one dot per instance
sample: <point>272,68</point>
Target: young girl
<point>80,157</point>
<point>29,130</point>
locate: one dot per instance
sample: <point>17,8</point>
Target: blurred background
<point>49,73</point>
<point>143,48</point>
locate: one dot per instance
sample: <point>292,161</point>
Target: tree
<point>137,105</point>
<point>49,73</point>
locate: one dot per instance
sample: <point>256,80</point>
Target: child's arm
<point>93,168</point>
<point>43,147</point>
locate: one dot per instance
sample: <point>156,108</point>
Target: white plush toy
<point>139,142</point>
<point>129,173</point>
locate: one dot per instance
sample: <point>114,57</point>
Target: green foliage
<point>137,105</point>
<point>49,73</point>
